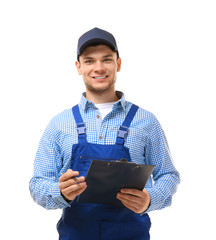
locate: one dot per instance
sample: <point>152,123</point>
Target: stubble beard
<point>100,90</point>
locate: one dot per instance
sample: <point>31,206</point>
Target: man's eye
<point>107,59</point>
<point>88,61</point>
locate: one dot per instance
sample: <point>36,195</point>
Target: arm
<point>44,185</point>
<point>165,176</point>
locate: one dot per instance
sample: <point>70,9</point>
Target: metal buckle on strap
<point>122,133</point>
<point>81,128</point>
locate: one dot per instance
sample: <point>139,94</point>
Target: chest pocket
<point>83,164</point>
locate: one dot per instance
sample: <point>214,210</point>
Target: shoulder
<point>63,116</point>
<point>144,119</point>
<point>142,114</point>
<point>63,121</point>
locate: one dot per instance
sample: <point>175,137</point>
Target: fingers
<point>130,202</point>
<point>69,174</point>
<point>128,198</point>
<point>70,181</point>
<point>131,206</point>
<point>70,185</point>
<point>71,192</point>
<point>136,200</point>
<point>133,192</point>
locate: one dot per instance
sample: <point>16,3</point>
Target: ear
<point>78,67</point>
<point>118,64</point>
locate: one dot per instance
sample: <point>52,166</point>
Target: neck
<point>103,97</point>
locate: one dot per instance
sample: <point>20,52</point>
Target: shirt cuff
<point>157,199</point>
<point>57,197</point>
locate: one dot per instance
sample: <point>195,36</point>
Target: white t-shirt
<point>105,108</point>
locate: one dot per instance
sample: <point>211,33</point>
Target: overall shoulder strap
<point>123,130</point>
<point>81,128</point>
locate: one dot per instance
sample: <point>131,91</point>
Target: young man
<point>91,129</point>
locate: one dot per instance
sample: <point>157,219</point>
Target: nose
<point>99,66</point>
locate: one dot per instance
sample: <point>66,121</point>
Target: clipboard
<point>105,179</point>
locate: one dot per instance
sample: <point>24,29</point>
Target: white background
<point>168,56</point>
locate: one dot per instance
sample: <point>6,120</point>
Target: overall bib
<point>83,221</point>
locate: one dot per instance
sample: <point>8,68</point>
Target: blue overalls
<point>83,221</point>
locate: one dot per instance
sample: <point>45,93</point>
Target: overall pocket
<point>109,230</point>
<point>136,230</point>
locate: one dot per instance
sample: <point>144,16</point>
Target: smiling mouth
<point>100,77</point>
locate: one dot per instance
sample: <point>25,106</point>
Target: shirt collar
<point>121,103</point>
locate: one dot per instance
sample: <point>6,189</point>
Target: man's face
<point>99,66</point>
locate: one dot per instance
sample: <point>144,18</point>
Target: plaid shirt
<point>146,142</point>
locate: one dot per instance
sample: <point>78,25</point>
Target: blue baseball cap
<point>96,36</point>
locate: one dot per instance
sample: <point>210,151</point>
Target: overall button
<point>100,137</point>
<point>97,116</point>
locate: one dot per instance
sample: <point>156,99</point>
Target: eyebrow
<point>88,57</point>
<point>109,55</point>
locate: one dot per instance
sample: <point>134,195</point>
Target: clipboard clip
<point>123,160</point>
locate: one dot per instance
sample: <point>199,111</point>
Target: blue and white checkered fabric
<point>146,142</point>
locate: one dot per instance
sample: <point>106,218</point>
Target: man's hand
<point>71,186</point>
<point>136,200</point>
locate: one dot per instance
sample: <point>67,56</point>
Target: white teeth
<point>100,77</point>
